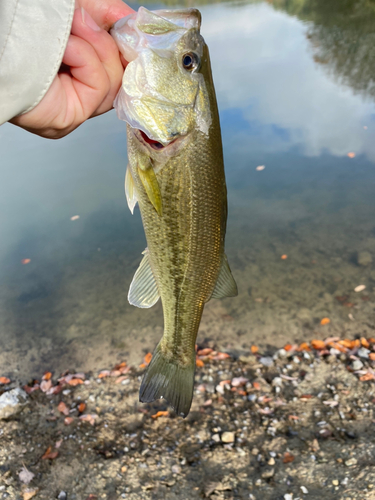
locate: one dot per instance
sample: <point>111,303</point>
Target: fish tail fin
<point>169,380</point>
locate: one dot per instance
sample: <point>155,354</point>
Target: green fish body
<point>176,174</point>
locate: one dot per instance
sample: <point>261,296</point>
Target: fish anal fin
<point>131,196</point>
<point>169,380</point>
<point>225,284</point>
<point>143,291</point>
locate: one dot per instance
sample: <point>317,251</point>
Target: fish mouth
<point>155,145</point>
<point>151,142</point>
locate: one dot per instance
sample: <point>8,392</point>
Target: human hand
<point>91,75</point>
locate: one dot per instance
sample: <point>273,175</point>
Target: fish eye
<point>190,61</point>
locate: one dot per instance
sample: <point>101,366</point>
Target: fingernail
<point>88,20</point>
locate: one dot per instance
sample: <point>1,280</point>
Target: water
<point>295,89</point>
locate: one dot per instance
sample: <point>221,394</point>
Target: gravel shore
<point>294,423</point>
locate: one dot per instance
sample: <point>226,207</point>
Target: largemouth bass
<point>176,174</point>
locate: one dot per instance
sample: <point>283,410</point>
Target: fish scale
<point>176,174</point>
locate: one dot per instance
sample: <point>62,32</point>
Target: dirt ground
<point>294,423</point>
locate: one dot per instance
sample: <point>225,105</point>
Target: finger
<point>106,12</point>
<point>105,47</point>
<point>90,81</point>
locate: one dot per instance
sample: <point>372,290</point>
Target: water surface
<point>295,88</point>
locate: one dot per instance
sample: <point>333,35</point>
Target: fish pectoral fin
<point>225,284</point>
<point>143,290</point>
<point>151,185</point>
<point>131,196</point>
<point>166,378</point>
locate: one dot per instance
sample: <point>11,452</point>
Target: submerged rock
<point>364,258</point>
<point>12,402</point>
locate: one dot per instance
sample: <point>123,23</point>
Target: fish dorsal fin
<point>130,193</point>
<point>225,284</point>
<point>143,290</point>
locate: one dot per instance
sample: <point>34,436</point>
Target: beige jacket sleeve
<point>33,37</point>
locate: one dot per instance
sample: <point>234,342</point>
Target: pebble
<point>227,437</point>
<point>281,353</point>
<point>357,364</point>
<point>220,389</point>
<point>271,461</point>
<point>363,352</point>
<point>176,469</point>
<point>360,288</point>
<point>12,402</point>
<point>277,382</point>
<point>267,474</point>
<point>62,496</point>
<point>304,490</point>
<point>216,438</point>
<point>255,452</point>
<point>266,361</point>
<point>288,496</point>
<point>335,482</point>
<point>350,462</point>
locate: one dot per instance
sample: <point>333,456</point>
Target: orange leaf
<point>47,376</point>
<point>372,356</point>
<point>372,340</point>
<point>160,414</point>
<point>306,396</point>
<point>82,407</point>
<point>75,381</point>
<point>346,343</point>
<point>367,376</point>
<point>204,352</point>
<point>288,457</point>
<point>104,373</point>
<point>68,420</point>
<point>304,347</point>
<point>221,355</point>
<point>254,349</point>
<point>256,386</point>
<point>288,347</point>
<point>224,382</point>
<point>325,321</point>
<point>318,344</point>
<point>351,155</point>
<point>148,358</point>
<point>49,454</point>
<point>364,342</point>
<point>199,363</point>
<point>89,418</point>
<point>120,366</point>
<point>25,261</point>
<point>293,417</point>
<point>4,380</point>
<point>338,347</point>
<point>142,365</point>
<point>284,257</point>
<point>63,408</point>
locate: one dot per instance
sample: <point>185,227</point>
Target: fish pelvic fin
<point>167,379</point>
<point>143,290</point>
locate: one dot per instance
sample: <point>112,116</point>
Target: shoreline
<point>298,424</point>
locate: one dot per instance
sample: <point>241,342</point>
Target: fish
<point>176,175</point>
